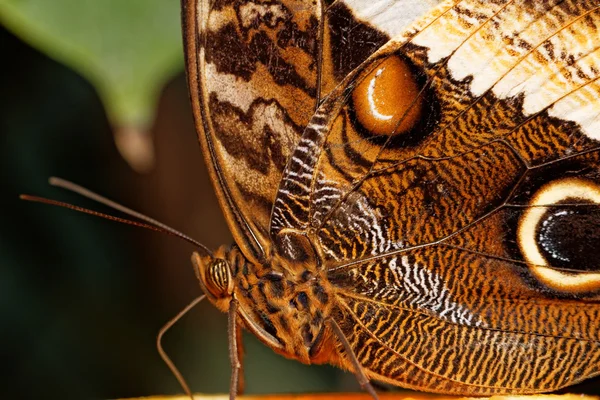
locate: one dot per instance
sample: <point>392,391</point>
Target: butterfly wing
<point>251,96</point>
<point>256,72</point>
<point>445,208</point>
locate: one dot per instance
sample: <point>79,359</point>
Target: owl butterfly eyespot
<point>413,189</point>
<point>564,235</point>
<point>387,100</point>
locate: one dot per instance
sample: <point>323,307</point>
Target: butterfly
<point>413,189</point>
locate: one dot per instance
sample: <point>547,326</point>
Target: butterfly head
<point>214,273</point>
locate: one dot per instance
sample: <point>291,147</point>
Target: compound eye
<point>559,235</point>
<point>218,278</point>
<point>214,275</point>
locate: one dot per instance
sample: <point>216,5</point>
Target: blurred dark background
<point>82,299</point>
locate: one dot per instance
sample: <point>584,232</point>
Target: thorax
<point>287,306</point>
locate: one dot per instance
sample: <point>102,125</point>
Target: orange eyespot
<point>387,101</point>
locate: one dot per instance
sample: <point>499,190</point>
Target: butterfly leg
<point>162,352</point>
<point>358,369</point>
<point>240,357</point>
<point>236,352</point>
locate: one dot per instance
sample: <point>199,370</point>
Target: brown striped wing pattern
<point>257,70</point>
<point>435,167</point>
<point>459,223</point>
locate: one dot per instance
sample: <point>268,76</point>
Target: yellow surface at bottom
<point>362,396</point>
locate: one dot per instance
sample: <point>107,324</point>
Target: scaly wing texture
<point>257,70</point>
<point>456,208</point>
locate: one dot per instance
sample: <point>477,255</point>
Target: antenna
<point>148,223</point>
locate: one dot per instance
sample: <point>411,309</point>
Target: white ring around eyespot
<point>553,193</point>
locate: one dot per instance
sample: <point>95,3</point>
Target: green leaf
<point>127,49</point>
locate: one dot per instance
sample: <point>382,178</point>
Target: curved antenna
<point>148,223</point>
<point>163,353</point>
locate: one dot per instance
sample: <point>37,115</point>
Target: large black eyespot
<point>559,235</point>
<point>569,236</point>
